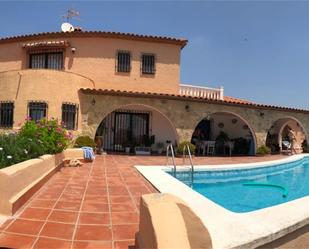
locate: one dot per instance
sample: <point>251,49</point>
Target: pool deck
<point>93,206</point>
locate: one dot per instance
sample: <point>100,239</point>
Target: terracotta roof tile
<point>227,100</point>
<point>241,101</point>
<point>109,34</point>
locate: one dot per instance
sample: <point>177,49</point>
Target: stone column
<point>185,134</point>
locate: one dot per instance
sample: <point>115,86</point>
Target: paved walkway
<point>93,206</point>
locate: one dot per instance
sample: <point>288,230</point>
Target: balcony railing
<point>202,92</point>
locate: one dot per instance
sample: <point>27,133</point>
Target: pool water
<point>230,190</point>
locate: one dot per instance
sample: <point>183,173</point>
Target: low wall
<point>167,222</point>
<point>20,181</point>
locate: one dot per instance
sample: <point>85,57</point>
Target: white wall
<point>233,130</point>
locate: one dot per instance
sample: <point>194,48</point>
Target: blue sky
<point>256,50</point>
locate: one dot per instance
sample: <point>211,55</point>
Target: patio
<point>93,206</point>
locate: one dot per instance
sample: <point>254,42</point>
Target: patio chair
<point>230,145</point>
<point>211,147</point>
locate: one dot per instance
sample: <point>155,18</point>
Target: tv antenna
<point>66,26</point>
<point>71,13</point>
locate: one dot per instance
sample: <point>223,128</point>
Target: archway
<point>279,137</point>
<point>136,126</point>
<point>224,133</point>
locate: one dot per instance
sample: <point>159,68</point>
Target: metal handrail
<point>170,147</point>
<point>190,158</point>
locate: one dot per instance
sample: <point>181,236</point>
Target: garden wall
<point>20,181</point>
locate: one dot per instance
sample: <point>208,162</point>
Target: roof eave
<point>191,98</point>
<point>106,34</point>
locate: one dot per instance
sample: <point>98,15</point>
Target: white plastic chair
<point>211,147</point>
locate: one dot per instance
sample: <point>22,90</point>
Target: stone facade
<point>185,114</point>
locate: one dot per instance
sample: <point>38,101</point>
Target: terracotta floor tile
<point>125,232</point>
<point>63,216</point>
<point>118,190</point>
<point>120,199</point>
<point>95,207</point>
<point>96,198</point>
<point>123,207</point>
<point>91,232</point>
<point>125,244</point>
<point>68,205</point>
<point>139,190</point>
<point>48,196</point>
<point>35,214</point>
<point>96,190</point>
<point>72,198</point>
<point>16,241</point>
<point>58,230</point>
<point>74,192</point>
<point>125,218</point>
<point>42,203</point>
<point>114,183</point>
<point>47,243</point>
<point>94,218</point>
<point>92,245</point>
<point>30,227</point>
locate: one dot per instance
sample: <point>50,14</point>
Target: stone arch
<point>235,118</point>
<point>159,124</point>
<point>275,132</point>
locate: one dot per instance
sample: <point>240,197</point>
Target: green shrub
<point>84,141</point>
<point>305,147</point>
<point>221,139</point>
<point>33,140</point>
<point>181,147</point>
<point>263,150</point>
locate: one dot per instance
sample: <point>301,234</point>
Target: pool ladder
<point>187,148</point>
<point>169,149</point>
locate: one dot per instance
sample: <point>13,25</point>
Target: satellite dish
<point>67,27</point>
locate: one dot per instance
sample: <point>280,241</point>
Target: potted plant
<point>181,148</point>
<point>263,150</point>
<point>145,149</point>
<point>160,147</point>
<point>127,147</point>
<point>99,138</point>
<point>305,147</point>
<point>221,140</point>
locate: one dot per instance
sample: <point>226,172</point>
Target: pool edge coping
<point>245,230</point>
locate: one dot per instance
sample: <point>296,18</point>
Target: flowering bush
<point>33,140</point>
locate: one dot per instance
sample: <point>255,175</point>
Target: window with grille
<point>148,64</point>
<point>69,116</point>
<point>123,62</point>
<point>37,110</point>
<point>48,60</point>
<point>6,114</point>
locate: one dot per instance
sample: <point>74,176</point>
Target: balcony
<point>201,92</point>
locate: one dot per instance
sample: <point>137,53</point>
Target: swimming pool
<point>242,227</point>
<point>246,190</point>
